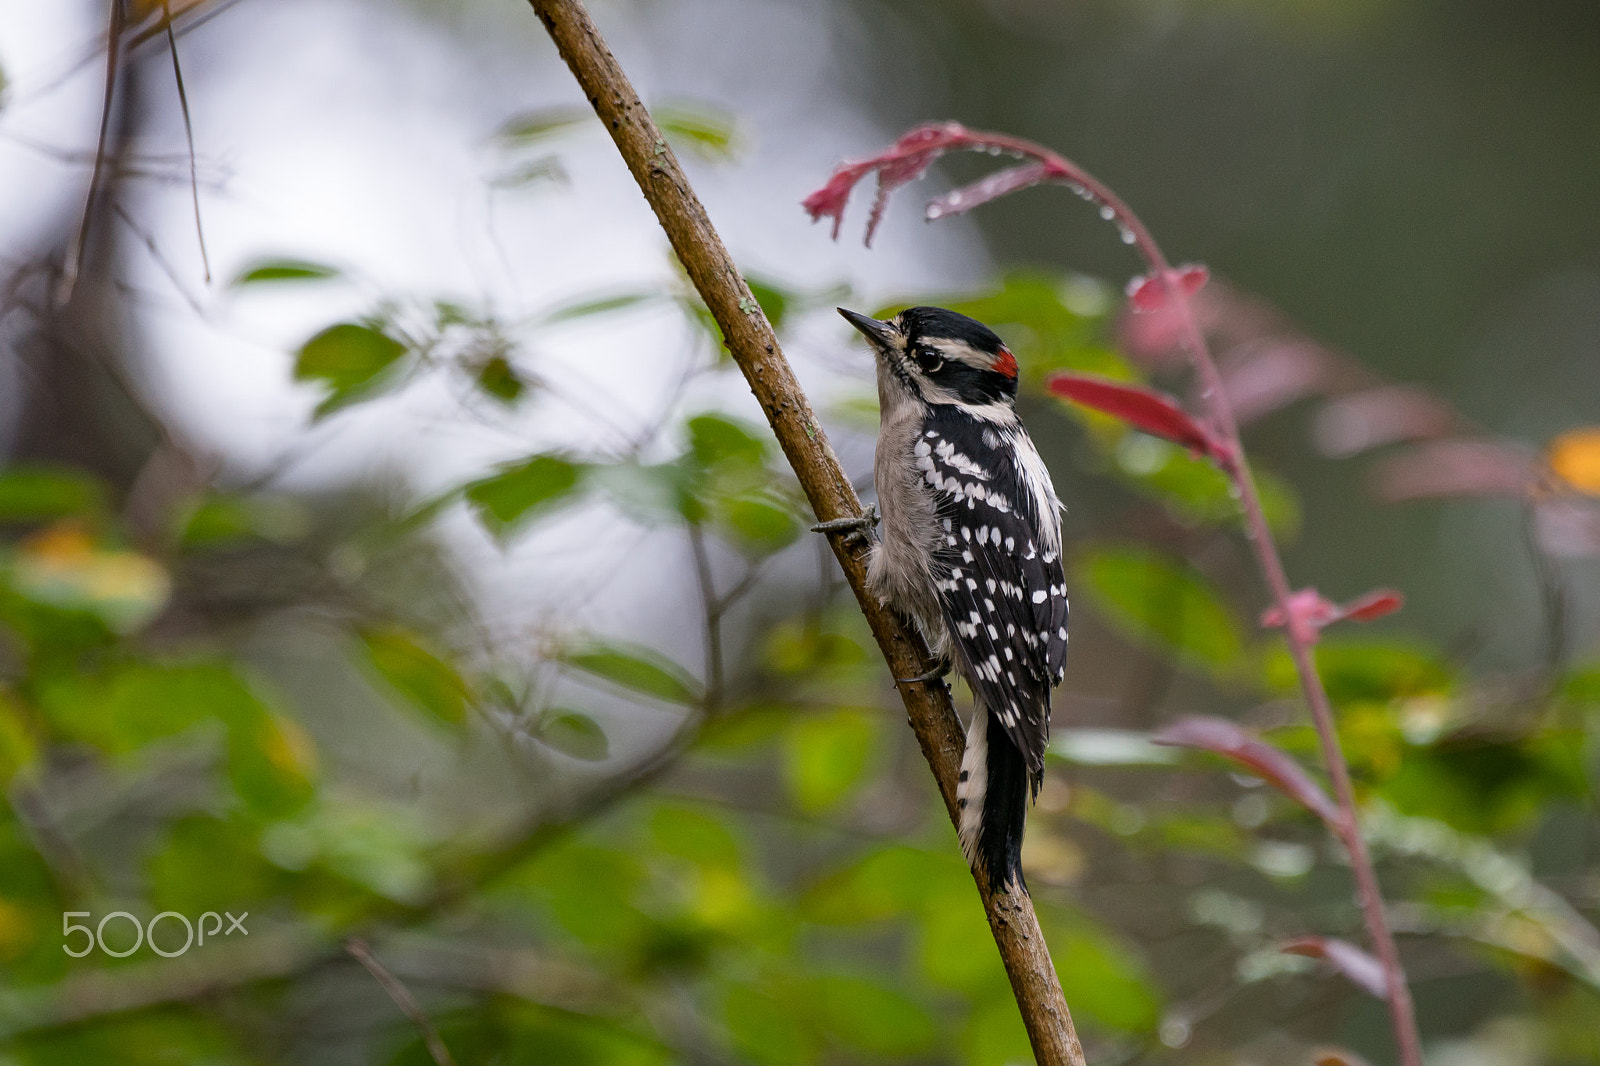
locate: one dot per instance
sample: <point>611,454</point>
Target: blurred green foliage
<point>768,879</point>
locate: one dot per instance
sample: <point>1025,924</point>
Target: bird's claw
<point>936,674</point>
<point>859,527</point>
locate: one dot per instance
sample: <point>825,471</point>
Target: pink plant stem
<point>906,160</point>
<point>1397,992</point>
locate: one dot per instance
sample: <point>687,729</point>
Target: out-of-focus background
<point>405,562</point>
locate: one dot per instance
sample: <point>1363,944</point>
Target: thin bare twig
<point>149,242</point>
<point>755,350</point>
<point>188,132</point>
<point>80,241</point>
<point>713,618</point>
<point>358,950</point>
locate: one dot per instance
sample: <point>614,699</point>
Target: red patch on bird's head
<point>1005,363</point>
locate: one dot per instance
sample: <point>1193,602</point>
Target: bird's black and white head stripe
<point>943,357</point>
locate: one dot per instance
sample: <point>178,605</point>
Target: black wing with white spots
<point>998,569</point>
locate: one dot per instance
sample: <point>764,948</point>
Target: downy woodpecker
<point>969,550</point>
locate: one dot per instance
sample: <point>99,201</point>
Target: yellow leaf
<point>64,566</point>
<point>1575,456</point>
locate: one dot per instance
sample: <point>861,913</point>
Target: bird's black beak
<point>881,334</point>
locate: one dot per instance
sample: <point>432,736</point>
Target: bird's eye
<point>930,360</point>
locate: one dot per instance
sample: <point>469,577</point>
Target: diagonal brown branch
<point>403,999</point>
<point>754,347</point>
<point>80,241</point>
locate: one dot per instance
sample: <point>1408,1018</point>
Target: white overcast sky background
<point>360,133</point>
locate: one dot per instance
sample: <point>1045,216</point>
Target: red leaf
<point>909,158</point>
<point>1261,378</point>
<point>1148,293</point>
<point>1374,417</point>
<point>1142,409</point>
<point>1458,468</point>
<point>1373,605</point>
<point>903,161</point>
<point>1310,612</point>
<point>1364,971</point>
<point>1000,183</point>
<point>1336,1056</point>
<point>1274,766</point>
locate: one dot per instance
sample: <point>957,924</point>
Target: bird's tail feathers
<point>992,798</point>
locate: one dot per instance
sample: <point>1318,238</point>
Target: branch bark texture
<point>754,347</point>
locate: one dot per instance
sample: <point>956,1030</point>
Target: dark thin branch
<point>149,242</point>
<point>80,242</point>
<point>713,619</point>
<point>754,347</point>
<point>716,607</point>
<point>212,8</point>
<point>358,950</point>
<point>188,132</point>
<point>739,589</point>
<point>1552,596</point>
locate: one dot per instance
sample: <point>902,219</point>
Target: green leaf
<point>1162,601</point>
<point>272,763</point>
<point>65,568</point>
<point>574,734</point>
<point>382,847</point>
<point>283,270</point>
<point>588,889</point>
<point>1101,977</point>
<point>597,306</point>
<point>705,131</point>
<point>425,679</point>
<point>715,439</point>
<point>125,708</point>
<point>957,946</point>
<point>530,126</point>
<point>637,669</point>
<point>499,379</point>
<point>349,359</point>
<point>1356,670</point>
<point>701,838</point>
<point>888,882</point>
<point>146,1038</point>
<point>18,744</point>
<point>826,755</point>
<point>207,863</point>
<point>758,521</point>
<point>218,520</point>
<point>870,1017</point>
<point>33,492</point>
<point>649,494</point>
<point>994,1033</point>
<point>765,1028</point>
<point>545,168</point>
<point>1195,489</point>
<point>522,490</point>
<point>510,1032</point>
